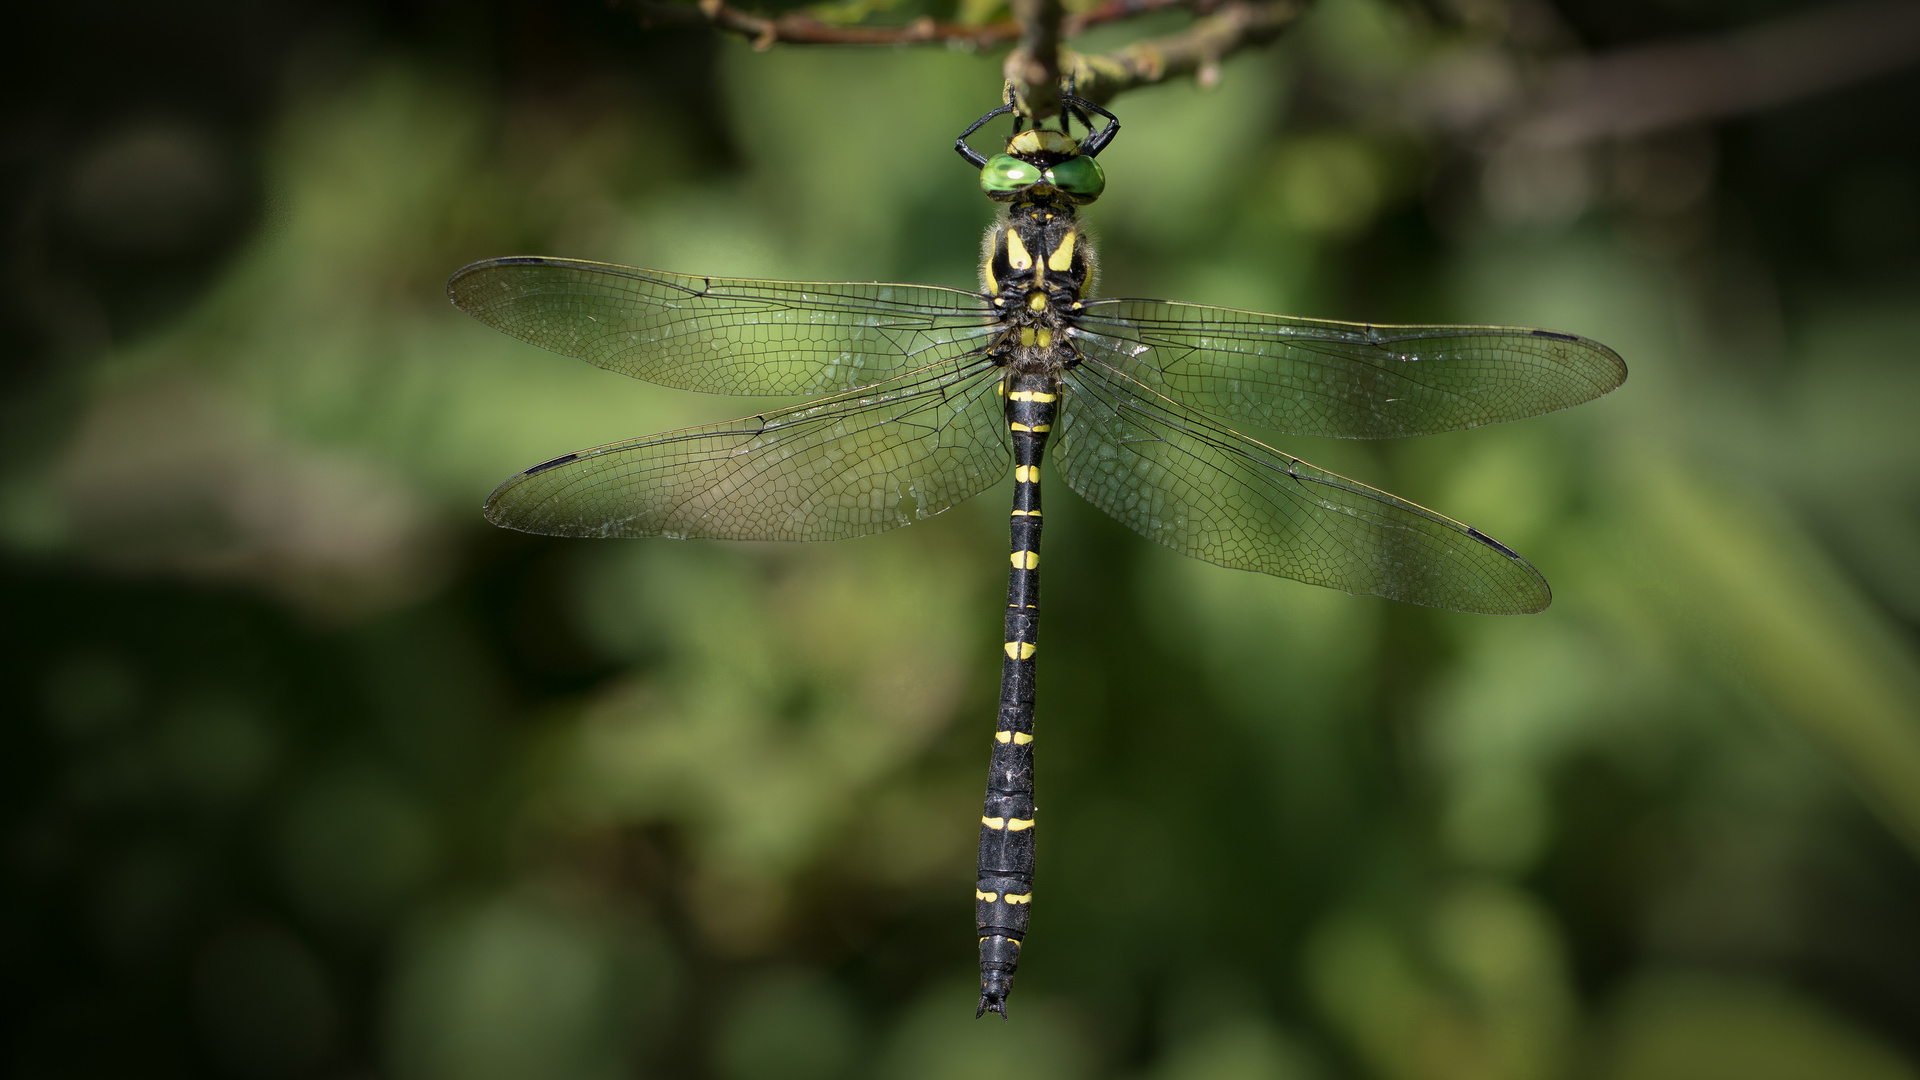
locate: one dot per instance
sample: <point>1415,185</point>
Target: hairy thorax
<point>1037,265</point>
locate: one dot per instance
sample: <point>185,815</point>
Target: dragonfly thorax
<point>1036,248</point>
<point>1036,266</point>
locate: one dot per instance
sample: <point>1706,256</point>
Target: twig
<point>799,28</point>
<point>1225,27</point>
<point>1033,67</point>
<point>1198,49</point>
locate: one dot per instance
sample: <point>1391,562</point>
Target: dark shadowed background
<point>310,772</point>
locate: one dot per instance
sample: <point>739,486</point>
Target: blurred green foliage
<point>311,773</point>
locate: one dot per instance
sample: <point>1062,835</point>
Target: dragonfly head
<point>1041,162</point>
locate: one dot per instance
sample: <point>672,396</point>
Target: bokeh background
<point>309,772</point>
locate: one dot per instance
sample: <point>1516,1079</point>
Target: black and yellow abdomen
<point>1003,889</point>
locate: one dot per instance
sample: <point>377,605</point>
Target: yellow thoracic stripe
<point>1037,302</point>
<point>1017,256</point>
<point>1026,560</point>
<point>1032,395</point>
<point>1062,257</point>
<point>1021,650</point>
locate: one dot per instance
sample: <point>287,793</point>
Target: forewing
<point>1344,380</point>
<point>825,470</point>
<point>1206,491</point>
<point>722,335</point>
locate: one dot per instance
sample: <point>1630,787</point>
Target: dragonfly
<point>920,396</point>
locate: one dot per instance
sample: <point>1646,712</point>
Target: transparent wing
<point>824,470</point>
<point>1204,490</point>
<point>722,335</point>
<point>1344,380</point>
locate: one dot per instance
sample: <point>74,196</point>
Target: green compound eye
<point>1080,177</point>
<point>1005,174</point>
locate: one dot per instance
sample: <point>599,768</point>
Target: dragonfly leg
<point>1095,141</point>
<point>975,157</point>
